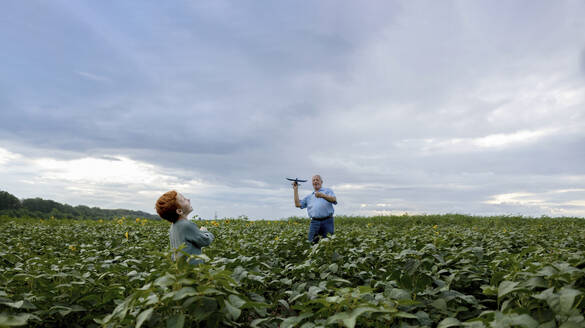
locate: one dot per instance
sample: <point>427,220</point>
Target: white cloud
<point>350,186</point>
<point>7,156</point>
<point>517,198</point>
<point>114,170</point>
<point>579,203</point>
<point>538,99</point>
<point>254,183</point>
<point>477,144</point>
<point>510,139</point>
<point>562,191</point>
<point>93,77</point>
<point>547,202</point>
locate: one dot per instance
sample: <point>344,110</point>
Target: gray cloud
<point>583,61</point>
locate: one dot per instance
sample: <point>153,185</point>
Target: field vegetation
<point>428,271</point>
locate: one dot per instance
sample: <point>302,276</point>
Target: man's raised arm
<point>296,192</point>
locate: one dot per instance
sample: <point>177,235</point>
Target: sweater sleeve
<point>197,237</point>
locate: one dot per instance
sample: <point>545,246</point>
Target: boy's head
<point>167,206</point>
<point>171,206</point>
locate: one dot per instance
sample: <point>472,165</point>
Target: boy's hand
<point>203,229</point>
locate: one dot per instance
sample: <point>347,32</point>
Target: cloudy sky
<point>471,107</point>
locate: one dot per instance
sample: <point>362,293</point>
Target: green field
<point>430,271</point>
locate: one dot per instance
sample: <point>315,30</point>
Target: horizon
<point>193,216</point>
<point>453,107</point>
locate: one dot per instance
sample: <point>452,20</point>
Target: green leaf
<point>152,299</point>
<point>340,281</point>
<point>212,291</point>
<point>293,321</point>
<point>397,294</point>
<point>547,271</point>
<point>65,310</point>
<point>256,322</point>
<point>203,257</point>
<point>333,267</point>
<point>165,280</point>
<point>551,298</point>
<point>204,307</point>
<point>523,320</point>
<point>176,321</point>
<point>440,304</point>
<point>349,318</point>
<point>232,312</point>
<point>545,294</point>
<point>23,304</point>
<point>510,320</point>
<point>145,315</point>
<point>406,315</point>
<point>535,282</point>
<point>476,324</point>
<point>506,287</point>
<point>505,305</point>
<point>9,320</point>
<point>567,298</point>
<point>449,322</point>
<point>236,301</point>
<point>489,290</point>
<point>314,291</point>
<point>186,281</point>
<point>570,324</point>
<point>184,292</point>
<point>334,299</point>
<point>284,303</point>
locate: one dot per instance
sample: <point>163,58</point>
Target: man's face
<point>184,204</point>
<point>317,182</point>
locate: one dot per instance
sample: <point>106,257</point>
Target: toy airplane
<point>296,180</point>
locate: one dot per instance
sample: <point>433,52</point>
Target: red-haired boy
<point>174,207</point>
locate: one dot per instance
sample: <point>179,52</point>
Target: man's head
<point>317,182</point>
<point>171,206</point>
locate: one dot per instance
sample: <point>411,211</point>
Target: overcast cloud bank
<point>466,107</point>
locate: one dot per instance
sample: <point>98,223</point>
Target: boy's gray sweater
<point>188,233</point>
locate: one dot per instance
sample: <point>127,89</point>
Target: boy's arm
<point>197,237</point>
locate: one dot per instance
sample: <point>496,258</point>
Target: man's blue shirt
<point>318,207</point>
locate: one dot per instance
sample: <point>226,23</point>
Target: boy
<point>174,207</point>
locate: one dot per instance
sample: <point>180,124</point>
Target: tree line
<point>12,206</point>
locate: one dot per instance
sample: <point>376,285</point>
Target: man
<point>174,207</point>
<point>319,206</point>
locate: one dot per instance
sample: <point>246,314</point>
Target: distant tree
<point>44,208</point>
<point>9,201</point>
<point>41,205</point>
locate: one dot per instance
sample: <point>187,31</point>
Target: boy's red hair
<point>166,206</point>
